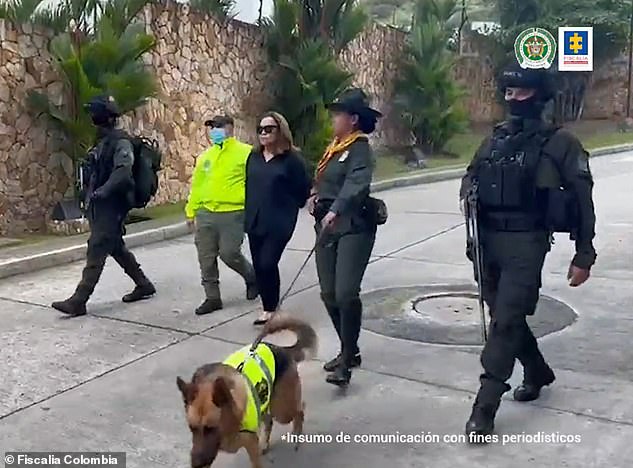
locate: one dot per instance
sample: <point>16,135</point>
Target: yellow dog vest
<point>259,371</point>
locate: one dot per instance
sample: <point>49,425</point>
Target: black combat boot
<point>140,292</point>
<point>144,288</point>
<point>530,389</point>
<point>209,306</point>
<point>332,364</point>
<point>73,306</point>
<point>252,292</point>
<point>482,419</point>
<point>481,423</point>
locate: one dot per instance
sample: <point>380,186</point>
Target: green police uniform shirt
<point>259,371</point>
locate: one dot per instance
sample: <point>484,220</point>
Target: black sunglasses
<point>266,129</point>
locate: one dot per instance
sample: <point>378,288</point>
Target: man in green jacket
<point>216,208</point>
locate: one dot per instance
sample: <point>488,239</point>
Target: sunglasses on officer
<point>266,129</point>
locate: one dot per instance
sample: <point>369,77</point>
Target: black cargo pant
<point>341,263</point>
<point>513,262</point>
<point>107,229</point>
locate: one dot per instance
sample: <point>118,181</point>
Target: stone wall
<point>203,68</point>
<point>608,92</point>
<point>29,184</point>
<point>372,57</point>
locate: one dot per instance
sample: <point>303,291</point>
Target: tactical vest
<point>509,198</point>
<point>259,372</point>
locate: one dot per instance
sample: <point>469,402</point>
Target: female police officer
<point>345,230</point>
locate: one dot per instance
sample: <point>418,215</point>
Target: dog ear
<point>187,390</point>
<point>221,392</point>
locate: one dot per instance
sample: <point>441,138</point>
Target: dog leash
<point>319,237</point>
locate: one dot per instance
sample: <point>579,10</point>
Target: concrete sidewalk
<point>20,259</point>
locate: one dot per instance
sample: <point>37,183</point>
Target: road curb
<point>74,253</point>
<point>41,261</point>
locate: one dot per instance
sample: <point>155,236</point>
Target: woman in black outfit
<point>277,187</point>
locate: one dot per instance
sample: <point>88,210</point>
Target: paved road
<point>108,381</point>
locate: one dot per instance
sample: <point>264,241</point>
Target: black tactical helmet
<point>103,107</point>
<point>539,79</point>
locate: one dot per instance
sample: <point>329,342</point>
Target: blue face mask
<point>217,135</point>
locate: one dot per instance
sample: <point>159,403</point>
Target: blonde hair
<point>284,134</point>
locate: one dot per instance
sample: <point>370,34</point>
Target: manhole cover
<point>447,314</point>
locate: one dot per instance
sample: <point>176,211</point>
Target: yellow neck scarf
<point>336,147</point>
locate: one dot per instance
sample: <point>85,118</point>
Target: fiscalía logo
<point>535,48</point>
<point>575,48</point>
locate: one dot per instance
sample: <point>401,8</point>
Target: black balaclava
<point>103,119</point>
<point>530,108</point>
<point>533,107</point>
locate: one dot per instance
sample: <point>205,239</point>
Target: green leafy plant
<point>304,40</point>
<point>58,16</point>
<point>427,96</point>
<point>107,62</point>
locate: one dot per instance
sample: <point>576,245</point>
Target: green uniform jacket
<point>345,185</point>
<point>568,162</point>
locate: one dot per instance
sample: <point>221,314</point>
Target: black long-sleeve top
<point>275,192</point>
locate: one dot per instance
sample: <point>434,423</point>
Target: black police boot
<point>252,292</point>
<point>332,364</point>
<point>530,390</point>
<point>482,419</point>
<point>481,423</point>
<point>209,306</point>
<point>73,306</point>
<point>140,292</point>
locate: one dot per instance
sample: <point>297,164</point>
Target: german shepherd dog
<point>216,399</point>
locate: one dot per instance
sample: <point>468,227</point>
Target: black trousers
<point>266,251</point>
<point>106,239</point>
<point>341,263</point>
<point>513,262</point>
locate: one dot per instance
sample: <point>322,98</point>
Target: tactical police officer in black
<point>530,179</point>
<point>109,188</point>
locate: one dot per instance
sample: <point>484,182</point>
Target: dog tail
<point>306,336</point>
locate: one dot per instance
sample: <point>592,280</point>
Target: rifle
<point>473,249</point>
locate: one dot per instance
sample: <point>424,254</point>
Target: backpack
<point>147,161</point>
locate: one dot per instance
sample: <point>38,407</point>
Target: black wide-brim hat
<point>354,101</point>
